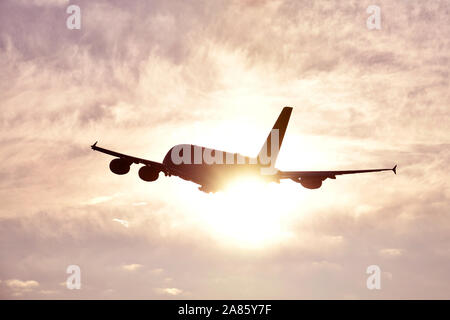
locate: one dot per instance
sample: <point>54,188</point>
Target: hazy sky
<point>141,76</point>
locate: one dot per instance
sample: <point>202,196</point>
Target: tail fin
<point>270,149</point>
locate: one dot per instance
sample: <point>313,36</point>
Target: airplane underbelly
<point>214,176</point>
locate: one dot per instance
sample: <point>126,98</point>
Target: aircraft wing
<point>295,175</point>
<point>132,159</point>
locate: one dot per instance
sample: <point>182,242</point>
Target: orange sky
<point>142,76</point>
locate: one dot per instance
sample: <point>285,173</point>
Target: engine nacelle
<point>148,173</point>
<point>119,166</point>
<point>311,183</point>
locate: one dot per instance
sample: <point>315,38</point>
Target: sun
<point>248,213</point>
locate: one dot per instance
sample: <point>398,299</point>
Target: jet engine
<point>148,173</point>
<point>119,166</point>
<point>311,183</point>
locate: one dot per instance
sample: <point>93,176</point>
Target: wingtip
<point>395,169</point>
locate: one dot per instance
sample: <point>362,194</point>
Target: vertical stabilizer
<point>270,149</point>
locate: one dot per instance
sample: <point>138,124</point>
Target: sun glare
<point>248,213</point>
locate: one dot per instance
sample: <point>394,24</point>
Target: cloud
<point>49,292</point>
<point>132,267</point>
<point>41,3</point>
<point>142,203</point>
<point>98,200</point>
<point>157,271</point>
<point>391,252</point>
<point>21,285</point>
<point>122,222</point>
<point>142,76</point>
<point>170,291</point>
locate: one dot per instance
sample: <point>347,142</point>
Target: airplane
<point>211,168</point>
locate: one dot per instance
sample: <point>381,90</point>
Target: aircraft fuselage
<point>211,168</point>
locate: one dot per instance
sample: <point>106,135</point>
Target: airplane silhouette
<point>211,168</point>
